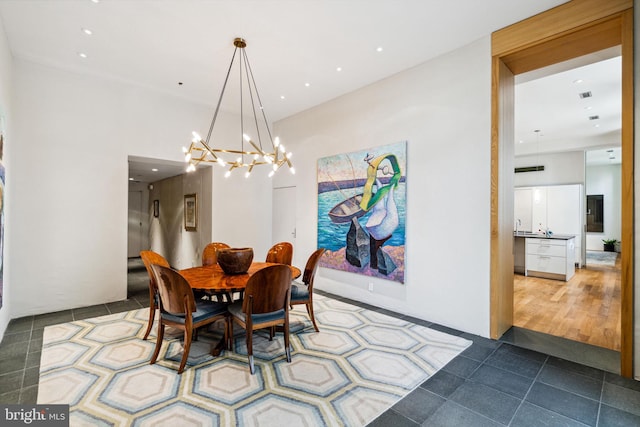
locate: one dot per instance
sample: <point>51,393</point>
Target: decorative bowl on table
<point>235,260</point>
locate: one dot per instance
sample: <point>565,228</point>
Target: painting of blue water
<point>331,235</point>
<point>365,192</point>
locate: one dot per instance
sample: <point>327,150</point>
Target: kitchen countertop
<point>542,236</point>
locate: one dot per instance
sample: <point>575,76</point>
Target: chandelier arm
<point>224,86</point>
<point>264,116</point>
<point>253,105</point>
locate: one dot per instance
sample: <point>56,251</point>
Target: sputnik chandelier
<point>248,152</point>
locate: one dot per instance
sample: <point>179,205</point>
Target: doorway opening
<point>568,31</point>
<point>567,123</point>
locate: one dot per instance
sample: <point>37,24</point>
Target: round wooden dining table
<point>212,278</point>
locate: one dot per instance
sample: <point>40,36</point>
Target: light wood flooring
<point>585,309</point>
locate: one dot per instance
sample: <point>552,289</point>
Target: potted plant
<point>609,244</point>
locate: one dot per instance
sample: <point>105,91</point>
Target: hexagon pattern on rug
<point>360,363</point>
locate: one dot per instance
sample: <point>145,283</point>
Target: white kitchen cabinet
<point>559,208</point>
<point>550,258</point>
<point>522,209</point>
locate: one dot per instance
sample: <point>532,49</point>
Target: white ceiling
<point>159,43</point>
<point>548,100</point>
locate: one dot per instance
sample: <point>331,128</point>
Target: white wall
<point>443,111</point>
<point>71,138</point>
<point>559,168</point>
<point>606,180</point>
<point>6,110</point>
<point>143,188</point>
<point>167,235</point>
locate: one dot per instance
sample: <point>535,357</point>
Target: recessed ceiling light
<point>578,81</point>
<point>339,69</point>
<point>82,55</point>
<point>87,31</point>
<point>96,1</point>
<point>307,84</point>
<point>520,142</point>
<point>154,170</point>
<point>379,49</point>
<point>281,96</point>
<point>596,126</point>
<point>587,108</point>
<point>130,179</point>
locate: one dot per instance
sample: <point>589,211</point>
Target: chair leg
<point>313,319</point>
<point>158,343</point>
<point>250,350</point>
<point>188,333</point>
<point>152,316</point>
<point>152,313</point>
<point>272,332</point>
<point>287,347</point>
<point>230,337</point>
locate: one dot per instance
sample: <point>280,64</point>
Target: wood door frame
<point>570,30</point>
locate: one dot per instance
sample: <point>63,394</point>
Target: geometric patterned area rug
<point>358,365</point>
<point>601,258</point>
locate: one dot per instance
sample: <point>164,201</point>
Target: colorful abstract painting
<point>361,211</point>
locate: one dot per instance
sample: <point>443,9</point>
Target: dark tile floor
<point>492,383</point>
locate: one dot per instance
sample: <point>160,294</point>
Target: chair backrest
<point>210,252</point>
<point>311,267</point>
<point>149,258</point>
<point>175,292</point>
<point>281,253</point>
<point>268,289</point>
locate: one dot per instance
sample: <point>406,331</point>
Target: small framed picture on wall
<point>190,212</point>
<point>156,208</point>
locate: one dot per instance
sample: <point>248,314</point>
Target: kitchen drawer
<point>547,264</point>
<point>545,248</point>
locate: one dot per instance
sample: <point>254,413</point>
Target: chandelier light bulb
<point>185,149</point>
<point>187,157</point>
<point>276,141</point>
<point>271,174</point>
<point>256,156</point>
<point>293,170</point>
<point>239,160</point>
<point>221,162</point>
<point>246,137</point>
<point>289,154</point>
<point>275,167</point>
<point>196,136</point>
<point>282,149</point>
<point>191,167</point>
<point>268,158</point>
<point>247,174</point>
<point>227,174</point>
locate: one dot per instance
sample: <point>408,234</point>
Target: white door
<point>134,240</point>
<point>284,216</point>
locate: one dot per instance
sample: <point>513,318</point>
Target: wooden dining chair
<point>265,305</point>
<point>149,258</point>
<point>302,293</point>
<point>210,252</point>
<point>280,253</point>
<point>179,309</point>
